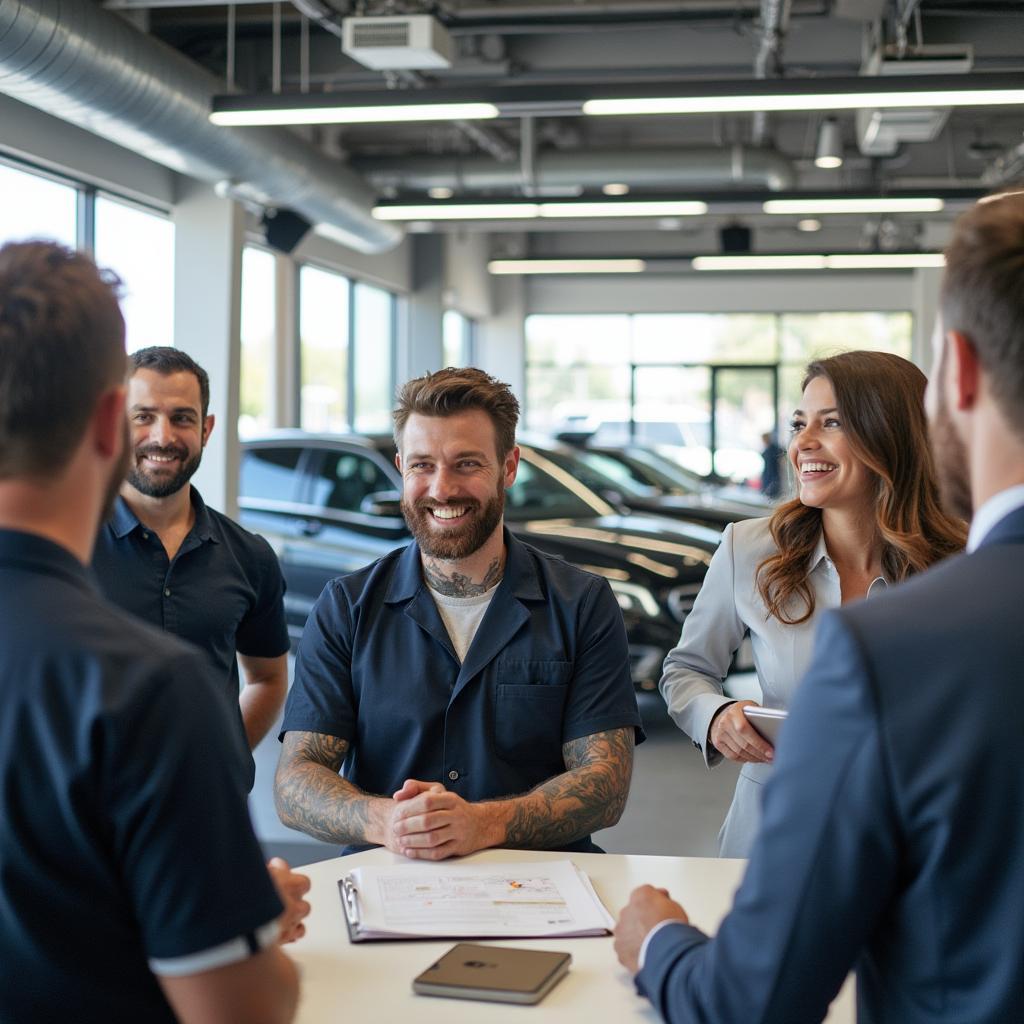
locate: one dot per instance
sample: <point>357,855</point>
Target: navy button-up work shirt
<point>549,664</point>
<point>223,590</point>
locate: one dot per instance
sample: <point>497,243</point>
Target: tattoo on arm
<point>458,585</point>
<point>589,795</point>
<point>312,797</point>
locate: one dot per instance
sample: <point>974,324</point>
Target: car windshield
<point>667,473</point>
<point>544,490</point>
<point>592,470</point>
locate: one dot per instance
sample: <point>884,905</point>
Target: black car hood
<point>658,551</point>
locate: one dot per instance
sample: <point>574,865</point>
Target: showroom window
<point>374,327</point>
<point>36,206</point>
<point>138,245</point>
<point>457,333</point>
<point>259,319</point>
<point>347,353</point>
<point>701,387</point>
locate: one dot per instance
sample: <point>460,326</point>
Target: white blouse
<point>727,607</point>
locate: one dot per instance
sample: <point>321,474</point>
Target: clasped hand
<point>428,822</point>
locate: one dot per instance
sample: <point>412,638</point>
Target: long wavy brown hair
<point>880,399</point>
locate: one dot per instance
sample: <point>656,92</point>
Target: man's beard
<point>117,475</point>
<point>950,457</point>
<point>456,542</point>
<point>161,488</point>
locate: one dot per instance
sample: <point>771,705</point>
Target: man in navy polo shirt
<point>186,568</point>
<point>131,884</point>
<point>476,690</point>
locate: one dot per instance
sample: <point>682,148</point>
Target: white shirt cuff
<point>650,935</point>
<point>231,952</point>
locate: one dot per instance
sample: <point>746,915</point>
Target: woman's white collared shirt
<point>727,607</point>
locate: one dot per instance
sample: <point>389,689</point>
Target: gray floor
<point>675,807</point>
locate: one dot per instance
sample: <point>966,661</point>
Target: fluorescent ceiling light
<point>458,211</point>
<point>521,211</point>
<point>758,263</point>
<point>351,114</point>
<point>629,208</point>
<point>885,261</point>
<point>566,266</point>
<point>877,205</point>
<point>846,261</point>
<point>864,99</point>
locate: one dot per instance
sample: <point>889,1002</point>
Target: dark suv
<point>329,504</point>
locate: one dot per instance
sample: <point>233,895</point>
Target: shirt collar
<point>32,551</point>
<point>123,520</point>
<point>820,554</point>
<point>997,508</point>
<point>520,574</point>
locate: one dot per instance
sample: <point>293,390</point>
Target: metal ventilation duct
<point>78,62</point>
<point>666,168</point>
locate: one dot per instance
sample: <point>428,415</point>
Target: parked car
<point>612,480</point>
<point>651,468</point>
<point>329,504</point>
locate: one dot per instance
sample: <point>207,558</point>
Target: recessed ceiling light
<point>808,224</point>
<point>440,192</point>
<point>615,188</point>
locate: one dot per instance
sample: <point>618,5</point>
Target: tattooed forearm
<point>455,584</point>
<point>312,797</point>
<point>588,796</point>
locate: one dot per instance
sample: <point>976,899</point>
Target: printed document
<point>514,900</point>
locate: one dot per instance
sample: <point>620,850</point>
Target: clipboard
<point>453,900</point>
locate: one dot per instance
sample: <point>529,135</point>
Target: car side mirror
<point>387,504</point>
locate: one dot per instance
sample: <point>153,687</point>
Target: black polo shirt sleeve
<point>601,694</point>
<point>322,698</point>
<point>263,633</point>
<point>175,797</point>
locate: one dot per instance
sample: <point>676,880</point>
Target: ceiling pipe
<point>768,63</point>
<point>87,66</point>
<point>553,169</point>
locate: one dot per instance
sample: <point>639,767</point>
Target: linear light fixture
<point>520,211</point>
<point>458,211</point>
<point>876,204</point>
<point>678,97</point>
<point>808,261</point>
<point>337,113</point>
<point>597,266</point>
<point>744,96</point>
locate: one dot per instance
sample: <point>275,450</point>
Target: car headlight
<point>633,597</point>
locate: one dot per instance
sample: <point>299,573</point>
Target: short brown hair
<point>165,360</point>
<point>982,294</point>
<point>61,347</point>
<point>880,399</point>
<point>449,391</point>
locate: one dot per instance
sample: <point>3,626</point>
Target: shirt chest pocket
<point>529,709</point>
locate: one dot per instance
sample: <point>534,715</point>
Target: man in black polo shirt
<point>131,884</point>
<point>186,568</point>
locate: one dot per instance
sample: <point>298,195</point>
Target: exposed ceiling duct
<point>81,63</point>
<point>665,169</point>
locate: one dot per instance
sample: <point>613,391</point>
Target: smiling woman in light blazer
<point>867,514</point>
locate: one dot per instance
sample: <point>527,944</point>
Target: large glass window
<point>456,339</point>
<point>323,334</point>
<point>139,246</point>
<point>258,333</point>
<point>374,331</point>
<point>702,388</point>
<point>34,206</point>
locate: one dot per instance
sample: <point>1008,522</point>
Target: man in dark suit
<point>893,830</point>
